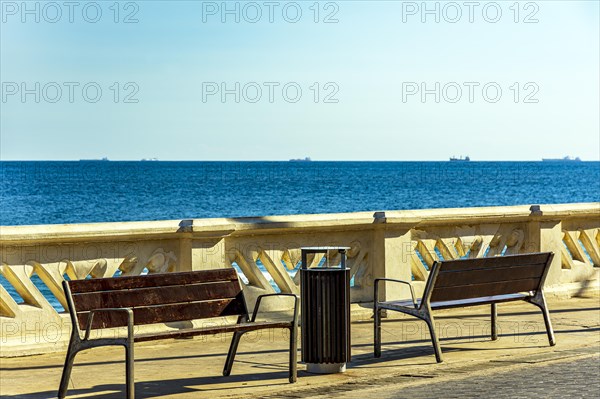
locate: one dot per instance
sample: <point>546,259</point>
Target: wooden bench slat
<point>190,332</point>
<point>480,276</point>
<point>495,262</point>
<point>156,295</point>
<point>167,313</point>
<point>151,280</point>
<point>482,290</point>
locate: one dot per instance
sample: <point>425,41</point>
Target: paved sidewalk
<point>474,365</point>
<point>564,379</point>
<point>579,378</point>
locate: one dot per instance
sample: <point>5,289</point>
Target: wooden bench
<point>471,282</point>
<point>163,298</point>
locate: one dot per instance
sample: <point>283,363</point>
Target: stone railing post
<point>545,236</point>
<point>392,250</point>
<point>185,246</point>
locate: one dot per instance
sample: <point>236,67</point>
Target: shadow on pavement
<point>159,388</point>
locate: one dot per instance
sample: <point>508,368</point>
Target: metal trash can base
<point>325,368</point>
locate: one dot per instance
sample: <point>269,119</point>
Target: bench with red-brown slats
<point>472,282</point>
<point>163,298</point>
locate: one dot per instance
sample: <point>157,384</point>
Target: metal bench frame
<point>422,308</point>
<point>245,323</point>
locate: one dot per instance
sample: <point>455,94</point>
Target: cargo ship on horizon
<point>105,159</point>
<point>564,159</point>
<point>307,159</point>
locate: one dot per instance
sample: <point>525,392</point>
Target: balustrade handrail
<point>219,227</point>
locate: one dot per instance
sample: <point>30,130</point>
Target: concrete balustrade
<point>266,252</point>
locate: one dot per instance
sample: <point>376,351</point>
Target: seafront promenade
<point>519,364</point>
<point>265,251</point>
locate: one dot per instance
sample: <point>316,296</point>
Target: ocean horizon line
<point>287,160</point>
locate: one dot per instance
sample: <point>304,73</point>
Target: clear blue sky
<point>376,59</point>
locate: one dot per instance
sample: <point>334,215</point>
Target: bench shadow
<point>160,388</point>
<point>457,315</point>
<point>424,354</point>
<point>152,359</point>
<point>423,347</point>
<point>484,338</point>
<point>481,338</point>
<point>367,360</point>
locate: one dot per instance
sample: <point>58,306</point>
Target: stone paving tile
<point>579,378</point>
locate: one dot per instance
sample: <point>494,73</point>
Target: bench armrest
<point>129,312</point>
<point>412,291</point>
<point>259,299</point>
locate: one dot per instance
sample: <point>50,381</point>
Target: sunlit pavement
<point>519,364</point>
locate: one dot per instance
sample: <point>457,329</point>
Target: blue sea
<point>81,192</point>
<point>109,191</point>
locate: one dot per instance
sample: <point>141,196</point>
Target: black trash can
<point>325,304</point>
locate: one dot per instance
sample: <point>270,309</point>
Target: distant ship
<point>105,159</point>
<point>461,159</point>
<point>149,159</point>
<point>307,159</point>
<point>565,159</point>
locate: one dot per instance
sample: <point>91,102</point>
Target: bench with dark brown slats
<point>472,282</point>
<point>163,298</point>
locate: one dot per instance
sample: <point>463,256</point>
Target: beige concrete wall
<point>395,244</point>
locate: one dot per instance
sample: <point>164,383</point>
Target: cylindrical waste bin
<point>325,305</point>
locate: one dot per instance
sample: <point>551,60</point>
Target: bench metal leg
<point>549,330</point>
<point>494,321</point>
<point>66,374</point>
<point>540,301</point>
<point>293,354</point>
<point>377,332</point>
<point>231,354</point>
<point>421,314</point>
<point>436,345</point>
<point>129,378</point>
